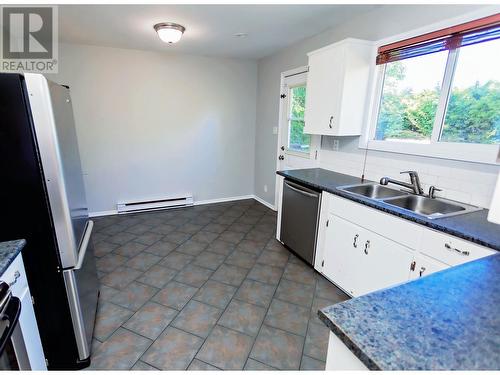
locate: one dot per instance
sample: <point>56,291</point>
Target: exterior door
<point>295,148</point>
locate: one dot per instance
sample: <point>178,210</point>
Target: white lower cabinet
<point>340,358</point>
<point>361,261</point>
<point>25,339</point>
<point>451,250</point>
<point>384,263</point>
<point>423,266</point>
<point>341,256</point>
<point>363,249</point>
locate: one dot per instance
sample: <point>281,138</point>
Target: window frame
<point>471,152</point>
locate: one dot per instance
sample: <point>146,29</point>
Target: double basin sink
<point>431,208</point>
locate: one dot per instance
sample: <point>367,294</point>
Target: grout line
<point>265,364</point>
<point>267,311</point>
<point>308,320</point>
<point>204,363</point>
<point>252,226</point>
<point>224,310</point>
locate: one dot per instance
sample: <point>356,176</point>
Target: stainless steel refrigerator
<point>45,203</point>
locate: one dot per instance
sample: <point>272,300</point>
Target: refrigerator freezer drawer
<point>82,287</point>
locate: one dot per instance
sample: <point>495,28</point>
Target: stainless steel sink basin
<point>430,208</point>
<point>418,204</point>
<point>373,191</point>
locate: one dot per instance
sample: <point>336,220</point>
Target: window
<point>410,98</point>
<point>473,112</point>
<point>441,88</point>
<point>297,140</point>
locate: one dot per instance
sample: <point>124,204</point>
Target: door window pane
<point>473,113</point>
<point>410,97</point>
<point>297,140</point>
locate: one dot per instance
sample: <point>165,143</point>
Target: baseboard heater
<point>156,204</point>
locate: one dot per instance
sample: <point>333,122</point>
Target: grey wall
<point>154,124</point>
<point>377,24</point>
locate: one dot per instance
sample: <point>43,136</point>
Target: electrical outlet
<point>265,188</point>
<point>335,146</point>
<point>275,130</point>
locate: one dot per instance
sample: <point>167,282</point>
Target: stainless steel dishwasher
<point>299,219</point>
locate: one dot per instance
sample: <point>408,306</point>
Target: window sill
<point>475,153</point>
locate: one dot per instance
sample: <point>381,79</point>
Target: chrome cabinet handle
<point>367,246</point>
<point>355,241</point>
<point>421,272</point>
<point>330,124</point>
<point>17,275</point>
<point>461,252</point>
<point>412,266</point>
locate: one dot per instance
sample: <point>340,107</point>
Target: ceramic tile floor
<point>206,288</point>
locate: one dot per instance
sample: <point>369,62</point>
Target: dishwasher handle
<point>301,189</point>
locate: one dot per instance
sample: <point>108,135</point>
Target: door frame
<point>282,116</point>
<point>282,107</point>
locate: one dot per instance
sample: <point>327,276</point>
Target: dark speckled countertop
<point>8,252</point>
<point>446,321</point>
<point>473,226</point>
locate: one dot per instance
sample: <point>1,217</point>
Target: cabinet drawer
<point>389,226</point>
<point>451,250</point>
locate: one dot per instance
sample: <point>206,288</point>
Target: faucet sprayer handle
<point>432,190</point>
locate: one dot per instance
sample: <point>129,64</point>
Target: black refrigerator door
<point>55,132</point>
<point>26,214</point>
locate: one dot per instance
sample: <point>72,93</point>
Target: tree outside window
<point>297,140</point>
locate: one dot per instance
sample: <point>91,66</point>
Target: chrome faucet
<point>414,184</point>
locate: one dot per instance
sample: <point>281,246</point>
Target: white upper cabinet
<point>337,86</point>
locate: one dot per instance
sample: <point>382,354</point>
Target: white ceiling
<point>210,29</point>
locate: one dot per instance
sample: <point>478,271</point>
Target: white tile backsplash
<point>466,182</point>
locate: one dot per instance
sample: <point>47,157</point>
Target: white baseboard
<point>265,203</point>
<point>222,200</point>
<point>198,203</point>
<point>103,213</point>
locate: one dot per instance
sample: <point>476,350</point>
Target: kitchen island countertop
<point>446,321</point>
<point>8,252</point>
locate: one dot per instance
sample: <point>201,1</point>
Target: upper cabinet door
<point>324,89</point>
<point>337,88</point>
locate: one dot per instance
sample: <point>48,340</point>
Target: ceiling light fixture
<point>169,32</point>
